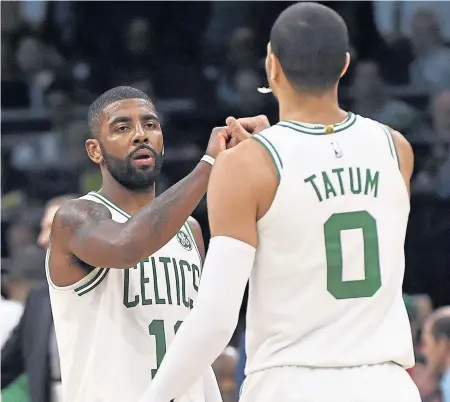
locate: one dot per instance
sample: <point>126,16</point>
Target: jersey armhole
<point>268,146</point>
<point>83,286</point>
<point>278,163</point>
<point>391,143</point>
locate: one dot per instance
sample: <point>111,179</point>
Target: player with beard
<point>124,265</point>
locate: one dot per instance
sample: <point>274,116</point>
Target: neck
<point>131,201</point>
<point>313,109</point>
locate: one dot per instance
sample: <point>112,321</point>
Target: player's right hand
<point>253,124</point>
<point>217,141</point>
<point>243,128</point>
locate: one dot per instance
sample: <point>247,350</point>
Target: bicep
<point>232,204</point>
<point>86,230</point>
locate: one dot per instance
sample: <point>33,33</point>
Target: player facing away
<point>313,212</point>
<point>124,266</point>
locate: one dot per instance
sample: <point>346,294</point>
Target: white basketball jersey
<point>115,325</point>
<point>326,288</point>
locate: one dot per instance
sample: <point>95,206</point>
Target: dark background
<point>201,62</point>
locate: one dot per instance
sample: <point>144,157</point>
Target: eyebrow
<point>128,119</point>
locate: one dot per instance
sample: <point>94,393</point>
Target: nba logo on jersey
<point>337,150</point>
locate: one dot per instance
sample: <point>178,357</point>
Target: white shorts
<point>379,383</point>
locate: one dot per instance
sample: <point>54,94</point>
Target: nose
<point>140,136</point>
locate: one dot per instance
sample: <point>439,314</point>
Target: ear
<point>94,151</point>
<point>347,63</point>
<point>273,64</point>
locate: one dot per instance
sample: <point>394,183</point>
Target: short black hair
<point>109,97</point>
<point>440,327</point>
<point>310,41</point>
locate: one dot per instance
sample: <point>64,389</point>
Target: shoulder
<point>244,178</point>
<point>75,213</point>
<point>403,146</point>
<point>405,155</point>
<point>249,163</point>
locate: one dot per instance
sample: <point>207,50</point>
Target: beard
<point>129,176</point>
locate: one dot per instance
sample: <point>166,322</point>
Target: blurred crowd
<point>201,62</point>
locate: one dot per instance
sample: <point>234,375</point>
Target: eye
<point>150,124</point>
<point>121,128</point>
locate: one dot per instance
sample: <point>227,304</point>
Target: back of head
<point>441,323</point>
<point>311,42</point>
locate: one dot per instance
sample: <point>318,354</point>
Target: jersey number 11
<point>156,329</point>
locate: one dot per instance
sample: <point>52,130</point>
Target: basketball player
<point>313,211</point>
<point>114,324</point>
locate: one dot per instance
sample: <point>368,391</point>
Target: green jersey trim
<point>319,129</point>
<point>92,283</point>
<point>109,203</point>
<point>272,152</point>
<point>391,143</point>
<point>191,235</point>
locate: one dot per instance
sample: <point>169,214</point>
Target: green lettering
<point>144,280</point>
<point>165,262</point>
<point>158,300</point>
<point>126,290</point>
<point>195,276</point>
<point>186,301</point>
<point>355,190</point>
<point>371,182</point>
<point>341,183</point>
<point>311,179</point>
<point>329,189</point>
<point>177,280</point>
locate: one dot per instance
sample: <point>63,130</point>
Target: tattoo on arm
<point>158,222</point>
<point>82,216</point>
<point>87,230</point>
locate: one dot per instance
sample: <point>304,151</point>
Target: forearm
<point>159,221</point>
<point>210,325</point>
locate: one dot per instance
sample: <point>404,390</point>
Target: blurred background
<point>200,62</point>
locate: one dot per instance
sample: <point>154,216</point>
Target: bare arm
<point>243,184</point>
<point>405,156</point>
<point>85,228</point>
